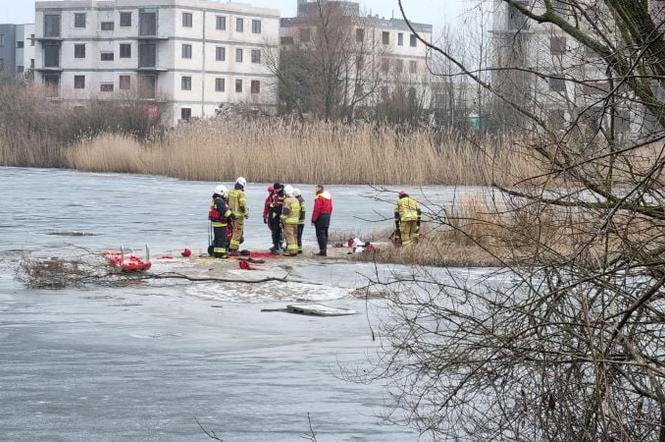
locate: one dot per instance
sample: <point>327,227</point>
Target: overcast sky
<point>436,12</point>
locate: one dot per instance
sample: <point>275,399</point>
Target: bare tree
<point>566,341</point>
<point>402,103</point>
<point>329,66</point>
<point>454,95</point>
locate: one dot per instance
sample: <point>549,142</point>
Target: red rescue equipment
<point>136,264</point>
<point>131,263</point>
<point>244,265</point>
<point>214,215</point>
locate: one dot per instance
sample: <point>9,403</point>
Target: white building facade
<point>190,56</point>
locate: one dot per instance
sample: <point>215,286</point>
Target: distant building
<point>17,51</point>
<point>399,58</point>
<point>190,55</point>
<point>574,80</point>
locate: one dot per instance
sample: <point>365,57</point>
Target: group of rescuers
<point>284,213</point>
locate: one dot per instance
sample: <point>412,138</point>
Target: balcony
<point>152,69</point>
<point>148,58</point>
<point>148,86</point>
<point>151,37</point>
<point>51,58</point>
<point>51,28</point>
<point>148,26</point>
<point>48,39</point>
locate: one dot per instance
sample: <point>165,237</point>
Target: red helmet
<point>271,189</point>
<point>403,193</point>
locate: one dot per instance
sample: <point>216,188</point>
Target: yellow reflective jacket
<point>291,211</point>
<point>407,209</point>
<point>238,203</point>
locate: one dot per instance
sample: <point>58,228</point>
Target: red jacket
<point>322,205</point>
<point>273,202</point>
<point>266,206</point>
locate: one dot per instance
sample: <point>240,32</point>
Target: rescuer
<point>303,214</point>
<point>219,216</point>
<point>290,218</point>
<point>407,218</point>
<point>321,215</point>
<point>274,218</point>
<point>238,205</point>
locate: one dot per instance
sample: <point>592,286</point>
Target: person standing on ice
<point>321,215</point>
<point>238,205</point>
<point>274,218</point>
<point>219,216</point>
<point>407,218</point>
<point>303,215</point>
<point>290,219</point>
<point>266,206</point>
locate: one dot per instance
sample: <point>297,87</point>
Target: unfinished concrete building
<point>189,56</point>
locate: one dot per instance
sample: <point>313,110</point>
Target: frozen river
<point>140,363</point>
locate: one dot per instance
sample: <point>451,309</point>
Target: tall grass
<point>117,137</point>
<point>319,152</point>
<point>36,131</point>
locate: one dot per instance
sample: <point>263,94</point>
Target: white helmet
<point>288,190</point>
<point>221,190</point>
<point>241,181</point>
<point>297,192</point>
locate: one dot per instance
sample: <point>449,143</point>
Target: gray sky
<point>436,12</point>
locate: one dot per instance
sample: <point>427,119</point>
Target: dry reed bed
<point>480,233</point>
<point>331,153</point>
<point>36,131</point>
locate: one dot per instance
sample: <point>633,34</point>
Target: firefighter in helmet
<point>303,215</point>
<point>291,219</point>
<point>219,215</point>
<point>238,205</point>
